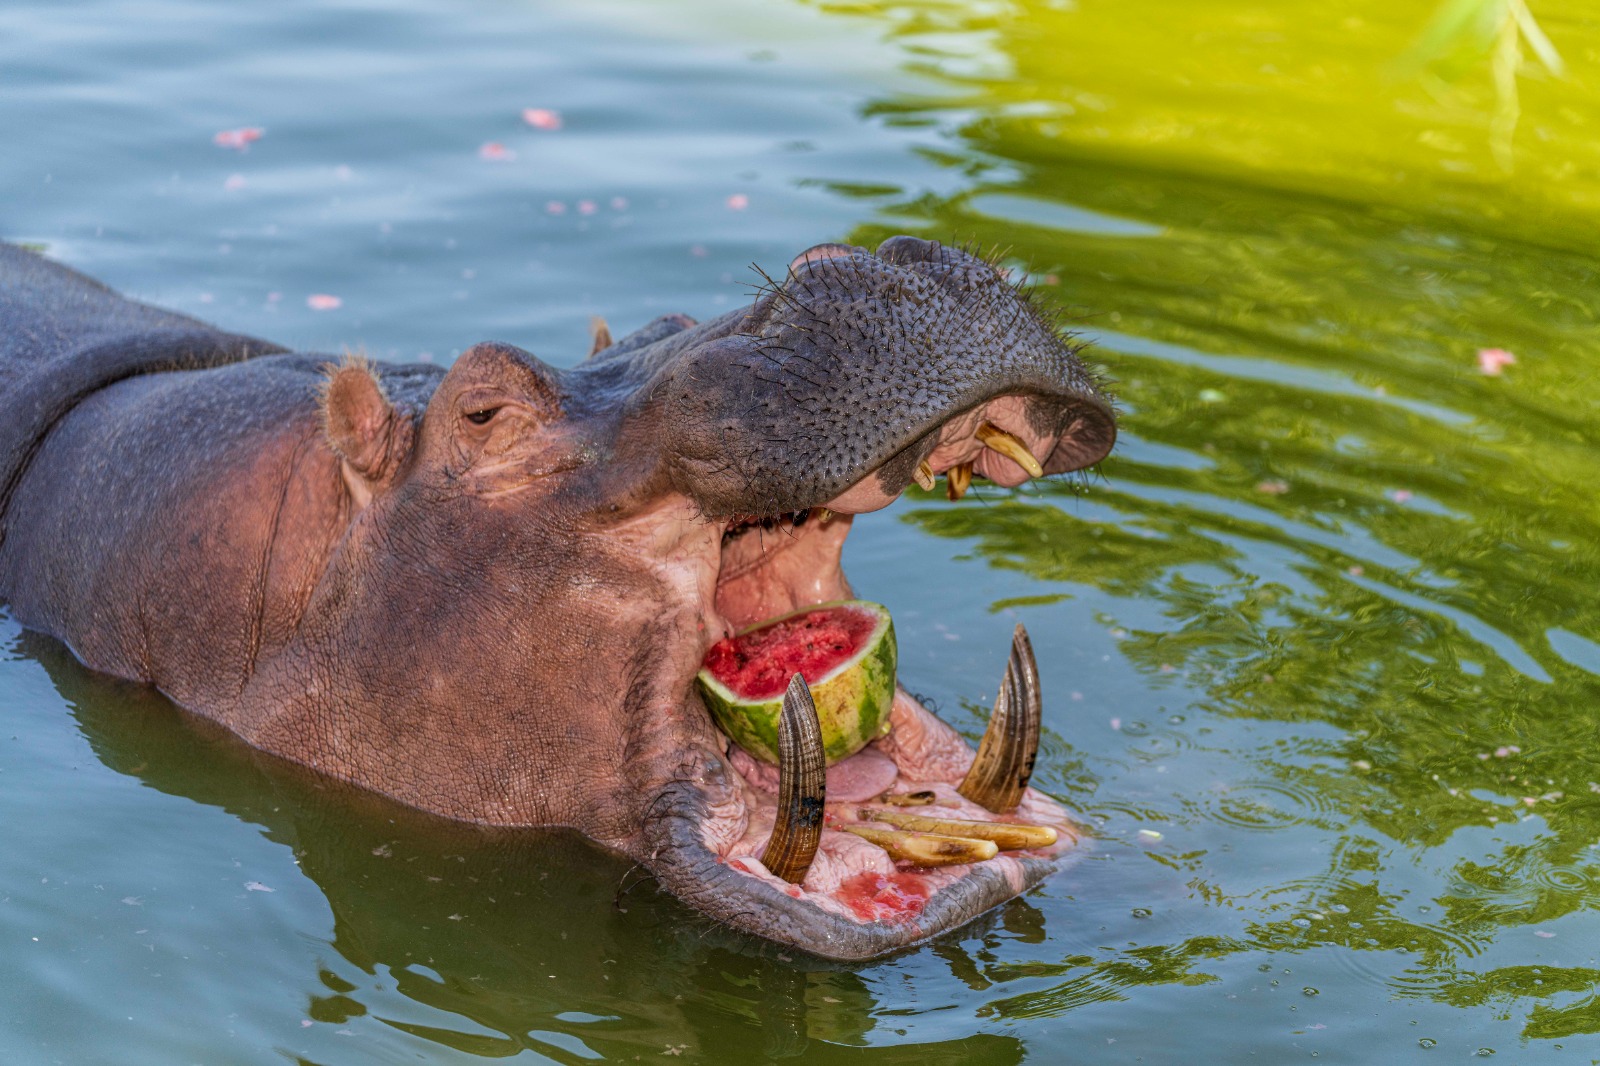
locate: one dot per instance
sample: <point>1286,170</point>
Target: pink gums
<point>758,665</point>
<point>875,897</point>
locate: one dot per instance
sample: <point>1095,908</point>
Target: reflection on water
<point>1324,514</point>
<point>1319,641</point>
<point>491,942</point>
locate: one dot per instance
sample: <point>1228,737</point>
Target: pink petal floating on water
<point>541,118</point>
<point>1400,495</point>
<point>495,152</point>
<point>699,251</point>
<point>321,301</point>
<point>587,207</point>
<point>238,139</point>
<point>343,172</point>
<point>555,207</point>
<point>1541,934</point>
<point>738,202</point>
<point>235,182</point>
<point>1492,360</point>
<point>619,203</point>
<point>1275,487</point>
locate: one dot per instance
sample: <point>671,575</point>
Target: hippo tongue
<point>867,773</point>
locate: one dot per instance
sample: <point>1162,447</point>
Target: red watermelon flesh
<point>758,665</point>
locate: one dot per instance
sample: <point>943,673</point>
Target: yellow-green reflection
<point>1291,254</point>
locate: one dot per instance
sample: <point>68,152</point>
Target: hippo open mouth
<point>1006,408</point>
<point>487,592</point>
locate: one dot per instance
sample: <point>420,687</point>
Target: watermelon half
<point>846,652</point>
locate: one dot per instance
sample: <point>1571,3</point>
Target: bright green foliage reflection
<point>1323,512</point>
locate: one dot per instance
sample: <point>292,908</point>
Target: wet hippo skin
<point>485,591</point>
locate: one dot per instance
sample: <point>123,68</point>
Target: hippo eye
<point>478,418</point>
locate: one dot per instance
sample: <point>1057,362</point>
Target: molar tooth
<point>1000,773</point>
<point>926,849</point>
<point>601,334</point>
<point>996,439</point>
<point>1008,836</point>
<point>802,786</point>
<point>957,480</point>
<point>924,476</point>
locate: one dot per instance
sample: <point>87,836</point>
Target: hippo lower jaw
<point>707,830</point>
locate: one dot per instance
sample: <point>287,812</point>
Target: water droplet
<point>1308,990</point>
<point>1265,967</point>
<point>1427,1042</point>
<point>1485,1052</point>
<point>1301,923</point>
<point>1141,912</point>
<point>1339,908</point>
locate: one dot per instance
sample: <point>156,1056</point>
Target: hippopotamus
<point>486,591</point>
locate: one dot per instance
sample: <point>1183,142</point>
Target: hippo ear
<point>361,425</point>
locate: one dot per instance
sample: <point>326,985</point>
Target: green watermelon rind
<point>853,699</point>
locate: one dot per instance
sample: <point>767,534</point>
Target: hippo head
<point>549,555</point>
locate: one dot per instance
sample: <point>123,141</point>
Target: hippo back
<point>64,336</point>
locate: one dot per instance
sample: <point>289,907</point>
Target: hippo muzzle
<point>487,592</point>
<point>855,377</point>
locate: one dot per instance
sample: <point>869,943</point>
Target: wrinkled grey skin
<point>485,592</point>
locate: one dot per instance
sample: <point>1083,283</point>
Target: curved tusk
<point>996,439</point>
<point>957,480</point>
<point>1000,773</point>
<point>924,476</point>
<point>802,786</point>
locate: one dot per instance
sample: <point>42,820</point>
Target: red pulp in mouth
<point>875,897</point>
<point>759,664</point>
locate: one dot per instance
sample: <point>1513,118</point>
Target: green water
<point>1319,641</point>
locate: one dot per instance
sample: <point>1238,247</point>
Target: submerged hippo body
<point>486,591</point>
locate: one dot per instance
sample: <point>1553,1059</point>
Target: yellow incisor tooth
<point>926,849</point>
<point>1009,836</point>
<point>601,334</point>
<point>996,439</point>
<point>924,476</point>
<point>908,799</point>
<point>957,480</point>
